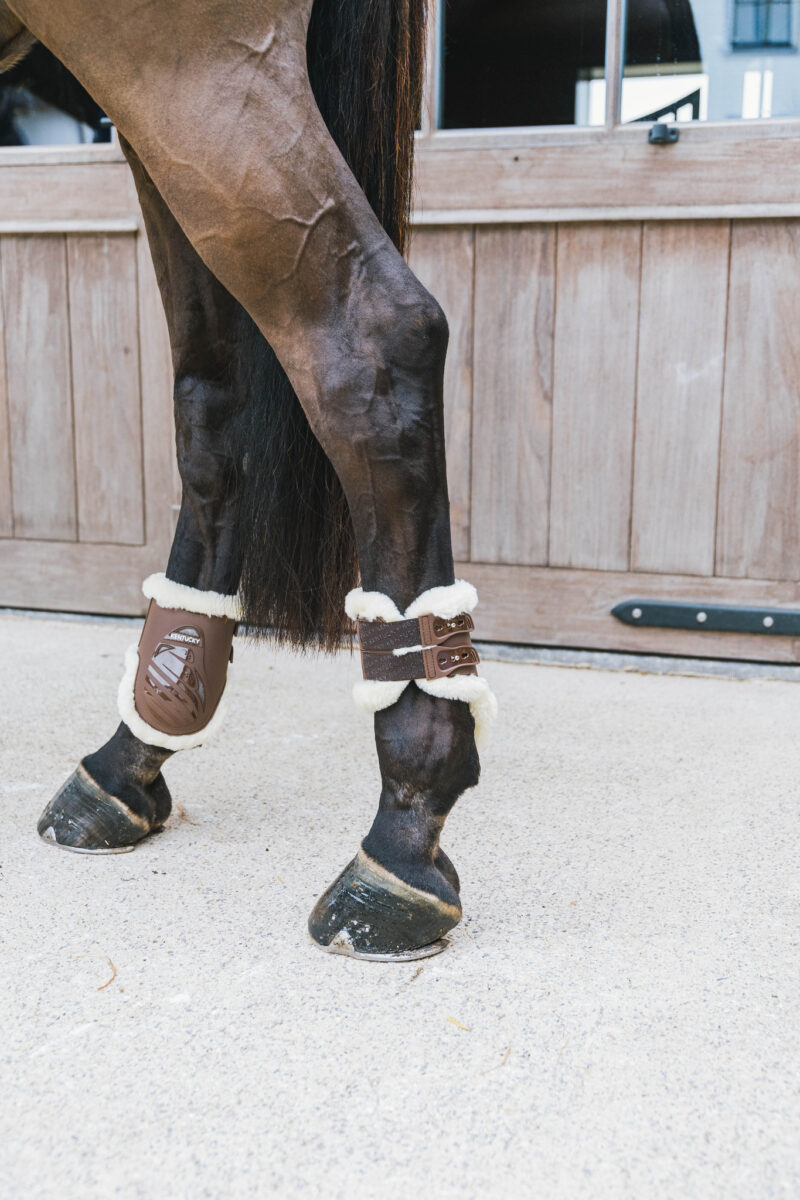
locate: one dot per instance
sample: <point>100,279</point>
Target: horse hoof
<point>369,913</point>
<point>84,818</point>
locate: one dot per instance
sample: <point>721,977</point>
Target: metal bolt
<point>702,618</point>
<point>768,622</point>
<point>636,613</point>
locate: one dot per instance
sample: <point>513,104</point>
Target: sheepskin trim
<point>370,606</point>
<point>147,733</point>
<point>475,691</point>
<point>372,695</point>
<point>177,595</point>
<point>445,602</point>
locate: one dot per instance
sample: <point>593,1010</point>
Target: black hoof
<point>369,913</point>
<point>84,818</point>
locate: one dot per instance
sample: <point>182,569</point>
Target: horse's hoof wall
<point>85,819</point>
<point>369,913</point>
<point>342,945</point>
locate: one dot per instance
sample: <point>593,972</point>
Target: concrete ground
<point>618,1016</point>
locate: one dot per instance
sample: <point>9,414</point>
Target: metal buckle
<point>457,656</point>
<point>437,631</point>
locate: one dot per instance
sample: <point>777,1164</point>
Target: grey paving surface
<point>618,1016</point>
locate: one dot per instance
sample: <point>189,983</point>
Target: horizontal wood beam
<point>552,607</point>
<point>76,576</point>
<point>73,225</point>
<point>610,179</point>
<point>640,212</point>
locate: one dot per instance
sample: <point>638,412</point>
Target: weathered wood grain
<point>73,191</point>
<point>75,576</point>
<point>161,479</point>
<point>39,387</point>
<point>6,511</point>
<point>443,260</point>
<point>587,169</point>
<point>106,388</point>
<point>679,395</point>
<point>759,493</point>
<point>554,607</point>
<point>597,307</point>
<point>513,404</point>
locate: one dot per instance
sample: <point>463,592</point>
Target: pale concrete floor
<point>618,1016</point>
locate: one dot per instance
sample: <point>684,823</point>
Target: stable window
<point>762,23</point>
<point>515,63</point>
<point>560,63</point>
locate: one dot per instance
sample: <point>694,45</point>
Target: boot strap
<point>426,647</point>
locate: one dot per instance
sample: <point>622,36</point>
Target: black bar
<point>712,618</point>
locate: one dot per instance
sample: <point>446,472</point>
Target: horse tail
<point>295,536</point>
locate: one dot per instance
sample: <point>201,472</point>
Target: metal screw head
<point>702,618</point>
<point>768,622</point>
<point>636,613</point>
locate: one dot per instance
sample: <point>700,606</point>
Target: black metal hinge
<point>712,618</point>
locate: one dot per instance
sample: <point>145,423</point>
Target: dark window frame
<point>763,12</point>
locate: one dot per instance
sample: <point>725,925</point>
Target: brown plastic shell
<point>183,667</point>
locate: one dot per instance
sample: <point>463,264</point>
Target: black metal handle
<point>710,618</point>
<point>661,134</point>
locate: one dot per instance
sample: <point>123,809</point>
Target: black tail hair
<point>296,541</point>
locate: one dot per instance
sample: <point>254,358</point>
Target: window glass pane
<point>714,60</point>
<point>523,62</point>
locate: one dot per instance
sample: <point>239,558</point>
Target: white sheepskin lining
<point>372,695</point>
<point>177,595</point>
<point>148,733</point>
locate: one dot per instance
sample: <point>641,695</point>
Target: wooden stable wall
<point>623,421</point>
<point>86,457</point>
<point>622,404</point>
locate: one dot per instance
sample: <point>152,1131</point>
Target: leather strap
<point>435,648</point>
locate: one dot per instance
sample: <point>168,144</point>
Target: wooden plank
<point>608,171</point>
<point>6,510</point>
<point>39,387</point>
<point>443,260</point>
<point>545,606</point>
<point>628,212</point>
<point>106,388</point>
<point>597,306</point>
<point>91,153</point>
<point>759,494</point>
<point>513,405</point>
<point>162,483</point>
<point>76,191</point>
<point>679,396</point>
<point>76,576</point>
<point>71,225</point>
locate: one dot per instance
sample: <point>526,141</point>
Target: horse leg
<point>263,194</point>
<point>118,795</point>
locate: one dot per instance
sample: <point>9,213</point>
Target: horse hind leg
<point>263,194</point>
<point>118,795</point>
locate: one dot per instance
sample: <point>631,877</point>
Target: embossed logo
<point>175,671</point>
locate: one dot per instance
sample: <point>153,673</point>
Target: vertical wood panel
<point>759,495</point>
<point>6,517</point>
<point>679,395</point>
<point>106,388</point>
<point>597,305</point>
<point>39,387</point>
<point>162,483</point>
<point>512,408</point>
<point>443,260</point>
